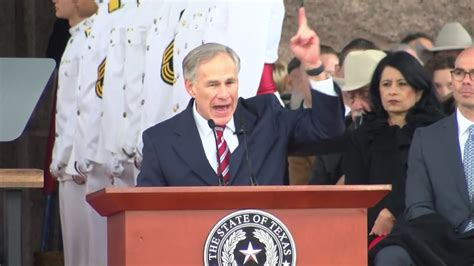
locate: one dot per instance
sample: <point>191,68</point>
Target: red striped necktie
<point>224,154</point>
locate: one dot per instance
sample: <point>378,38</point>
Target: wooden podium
<point>170,225</point>
<point>13,181</point>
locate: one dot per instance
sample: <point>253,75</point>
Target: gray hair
<point>204,53</point>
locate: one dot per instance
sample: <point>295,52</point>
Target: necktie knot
<point>219,131</point>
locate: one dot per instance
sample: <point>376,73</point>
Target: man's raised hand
<point>305,43</point>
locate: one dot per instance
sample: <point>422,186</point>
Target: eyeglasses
<point>459,74</point>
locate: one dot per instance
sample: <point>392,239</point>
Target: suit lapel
<point>449,137</point>
<point>188,145</point>
<point>242,118</point>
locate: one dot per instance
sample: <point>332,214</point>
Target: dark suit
<point>436,185</point>
<point>173,154</point>
<point>436,180</point>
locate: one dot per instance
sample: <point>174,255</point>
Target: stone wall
<point>384,22</point>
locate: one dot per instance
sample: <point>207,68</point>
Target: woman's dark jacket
<point>377,153</point>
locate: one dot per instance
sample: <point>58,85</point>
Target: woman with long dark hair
<point>403,99</point>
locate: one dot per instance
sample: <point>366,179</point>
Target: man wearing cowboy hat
<point>358,69</point>
<point>450,41</point>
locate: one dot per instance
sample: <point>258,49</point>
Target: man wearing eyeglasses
<point>439,227</point>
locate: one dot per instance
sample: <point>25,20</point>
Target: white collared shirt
<point>463,130</point>
<point>208,140</point>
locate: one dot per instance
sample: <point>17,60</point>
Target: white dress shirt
<point>208,140</point>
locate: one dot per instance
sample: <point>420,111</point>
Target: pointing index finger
<point>301,16</point>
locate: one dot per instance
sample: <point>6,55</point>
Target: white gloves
<point>114,166</point>
<point>83,167</point>
<point>56,168</point>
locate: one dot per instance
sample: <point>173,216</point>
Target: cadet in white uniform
<point>159,73</point>
<point>114,92</point>
<point>72,205</point>
<point>159,68</point>
<point>138,22</point>
<point>88,158</point>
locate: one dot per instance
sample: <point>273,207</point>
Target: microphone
<point>212,125</point>
<point>242,131</point>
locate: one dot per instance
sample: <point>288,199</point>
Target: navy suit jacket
<point>173,154</point>
<point>435,177</point>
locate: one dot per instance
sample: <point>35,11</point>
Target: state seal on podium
<point>250,237</point>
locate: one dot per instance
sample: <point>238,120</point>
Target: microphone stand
<point>243,132</point>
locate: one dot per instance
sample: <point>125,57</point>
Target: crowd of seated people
<point>394,99</point>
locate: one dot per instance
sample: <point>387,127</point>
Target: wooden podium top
<point>21,178</point>
<point>112,200</point>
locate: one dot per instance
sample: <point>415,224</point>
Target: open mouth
<point>221,109</point>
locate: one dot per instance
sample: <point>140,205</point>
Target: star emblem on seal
<point>250,253</point>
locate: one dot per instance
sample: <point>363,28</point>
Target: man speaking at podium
<point>220,139</point>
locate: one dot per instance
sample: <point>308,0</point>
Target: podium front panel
<point>321,236</point>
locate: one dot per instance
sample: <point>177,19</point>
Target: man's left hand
<point>305,43</point>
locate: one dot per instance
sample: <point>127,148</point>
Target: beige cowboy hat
<point>452,36</point>
<point>359,66</point>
